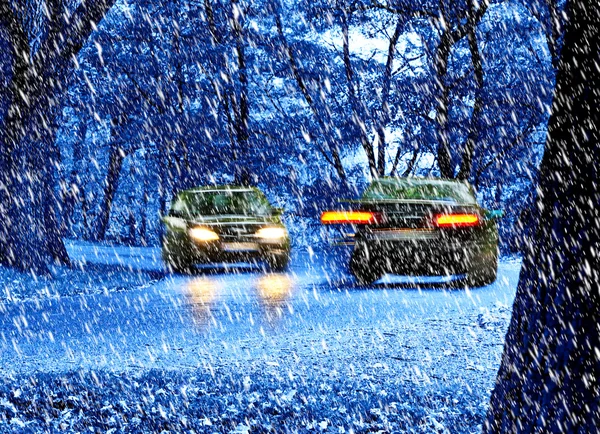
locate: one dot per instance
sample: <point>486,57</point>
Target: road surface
<point>312,317</point>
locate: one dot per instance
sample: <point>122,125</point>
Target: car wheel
<point>484,274</point>
<point>278,263</point>
<point>363,267</point>
<point>177,264</point>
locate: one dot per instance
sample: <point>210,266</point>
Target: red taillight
<point>456,220</point>
<point>349,217</point>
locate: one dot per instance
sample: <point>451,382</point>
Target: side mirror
<point>494,214</point>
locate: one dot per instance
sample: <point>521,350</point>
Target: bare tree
<point>449,37</point>
<point>332,151</point>
<point>28,236</point>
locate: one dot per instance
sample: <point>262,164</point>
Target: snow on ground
<point>163,401</point>
<point>303,352</point>
<point>96,269</point>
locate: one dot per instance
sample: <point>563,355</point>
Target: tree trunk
<point>359,114</point>
<point>29,233</point>
<point>85,210</point>
<point>17,222</point>
<point>441,117</point>
<point>72,192</point>
<point>52,207</point>
<point>384,117</point>
<point>115,163</point>
<point>411,164</point>
<point>467,158</point>
<point>243,172</point>
<point>145,200</point>
<point>548,380</point>
<point>448,38</point>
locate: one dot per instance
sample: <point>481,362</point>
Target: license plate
<point>239,247</point>
<point>404,234</point>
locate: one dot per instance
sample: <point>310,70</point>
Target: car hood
<point>229,219</point>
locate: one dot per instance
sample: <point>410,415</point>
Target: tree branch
<point>61,46</point>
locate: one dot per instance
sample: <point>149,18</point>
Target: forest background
<point>307,100</point>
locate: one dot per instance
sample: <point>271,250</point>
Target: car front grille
<point>238,232</point>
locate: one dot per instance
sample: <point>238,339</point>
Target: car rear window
<point>419,190</point>
<point>226,202</point>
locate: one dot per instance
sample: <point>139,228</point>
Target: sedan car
<point>224,224</point>
<point>419,226</point>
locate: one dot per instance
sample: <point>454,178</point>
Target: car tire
<point>278,263</point>
<point>176,264</point>
<point>363,267</point>
<point>484,274</point>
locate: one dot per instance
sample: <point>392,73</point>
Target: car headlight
<point>271,233</point>
<point>203,234</point>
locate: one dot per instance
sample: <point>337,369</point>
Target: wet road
<point>249,319</point>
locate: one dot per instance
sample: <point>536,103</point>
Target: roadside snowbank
<point>15,286</point>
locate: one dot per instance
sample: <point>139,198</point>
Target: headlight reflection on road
<point>208,298</point>
<point>202,292</point>
<point>273,291</point>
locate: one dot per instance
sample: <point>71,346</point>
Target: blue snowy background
<point>290,97</point>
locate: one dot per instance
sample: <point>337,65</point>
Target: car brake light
<point>456,220</point>
<point>350,217</point>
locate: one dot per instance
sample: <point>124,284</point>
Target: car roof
<point>419,180</point>
<point>218,189</point>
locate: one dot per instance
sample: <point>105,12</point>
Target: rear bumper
<point>425,257</point>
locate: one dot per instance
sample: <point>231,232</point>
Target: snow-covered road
<point>250,321</point>
<point>244,351</point>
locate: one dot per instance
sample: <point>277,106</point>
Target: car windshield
<point>419,190</point>
<point>223,202</point>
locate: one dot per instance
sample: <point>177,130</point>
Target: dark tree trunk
<point>72,192</point>
<point>549,378</point>
<point>243,171</point>
<point>467,158</point>
<point>131,237</point>
<point>52,207</point>
<point>359,114</point>
<point>115,163</point>
<point>111,183</point>
<point>411,164</point>
<point>448,39</point>
<point>145,199</point>
<point>384,117</point>
<point>441,118</point>
<point>85,210</point>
